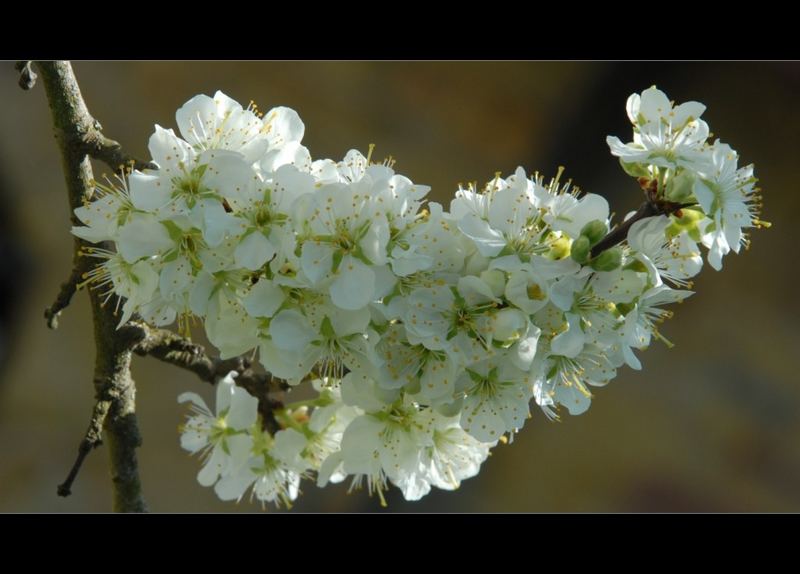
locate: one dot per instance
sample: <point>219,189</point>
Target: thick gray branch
<point>85,135</point>
<point>112,380</point>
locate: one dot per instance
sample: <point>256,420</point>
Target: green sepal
<point>175,232</point>
<point>327,329</point>
<point>337,260</point>
<point>634,169</point>
<point>637,266</point>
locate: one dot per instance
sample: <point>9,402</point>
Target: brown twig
<point>180,352</point>
<point>110,152</point>
<point>91,440</point>
<point>27,77</point>
<point>65,293</point>
<point>620,232</point>
<point>652,207</point>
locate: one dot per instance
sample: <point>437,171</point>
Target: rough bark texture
<point>114,415</point>
<point>77,135</point>
<point>91,440</point>
<point>179,351</point>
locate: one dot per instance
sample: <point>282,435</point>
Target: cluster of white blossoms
<point>424,333</point>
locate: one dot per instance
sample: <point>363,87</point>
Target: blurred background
<point>712,425</point>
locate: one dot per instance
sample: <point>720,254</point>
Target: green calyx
<point>634,169</point>
<point>688,220</point>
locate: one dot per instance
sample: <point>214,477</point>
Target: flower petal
<point>354,286</point>
<point>148,192</point>
<point>213,467</point>
<point>488,241</point>
<point>253,251</point>
<point>316,259</point>
<point>244,409</point>
<point>290,330</point>
<point>171,153</point>
<point>225,389</point>
<point>570,342</point>
<point>143,236</point>
<point>263,299</point>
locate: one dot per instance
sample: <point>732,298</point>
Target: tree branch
<point>181,352</point>
<point>91,440</point>
<point>620,232</point>
<point>86,135</point>
<point>27,77</point>
<point>68,289</point>
<point>112,379</point>
<point>653,205</point>
<point>110,152</point>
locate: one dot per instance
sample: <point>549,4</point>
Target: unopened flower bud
<point>580,249</point>
<point>679,188</point>
<point>608,260</point>
<point>595,230</point>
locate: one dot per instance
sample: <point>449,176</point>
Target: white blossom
<point>673,258</point>
<point>730,200</point>
<point>425,333</point>
<point>218,436</point>
<point>664,135</point>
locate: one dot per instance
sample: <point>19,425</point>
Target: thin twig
<point>27,77</point>
<point>653,206</point>
<point>91,440</point>
<point>65,293</point>
<point>620,232</point>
